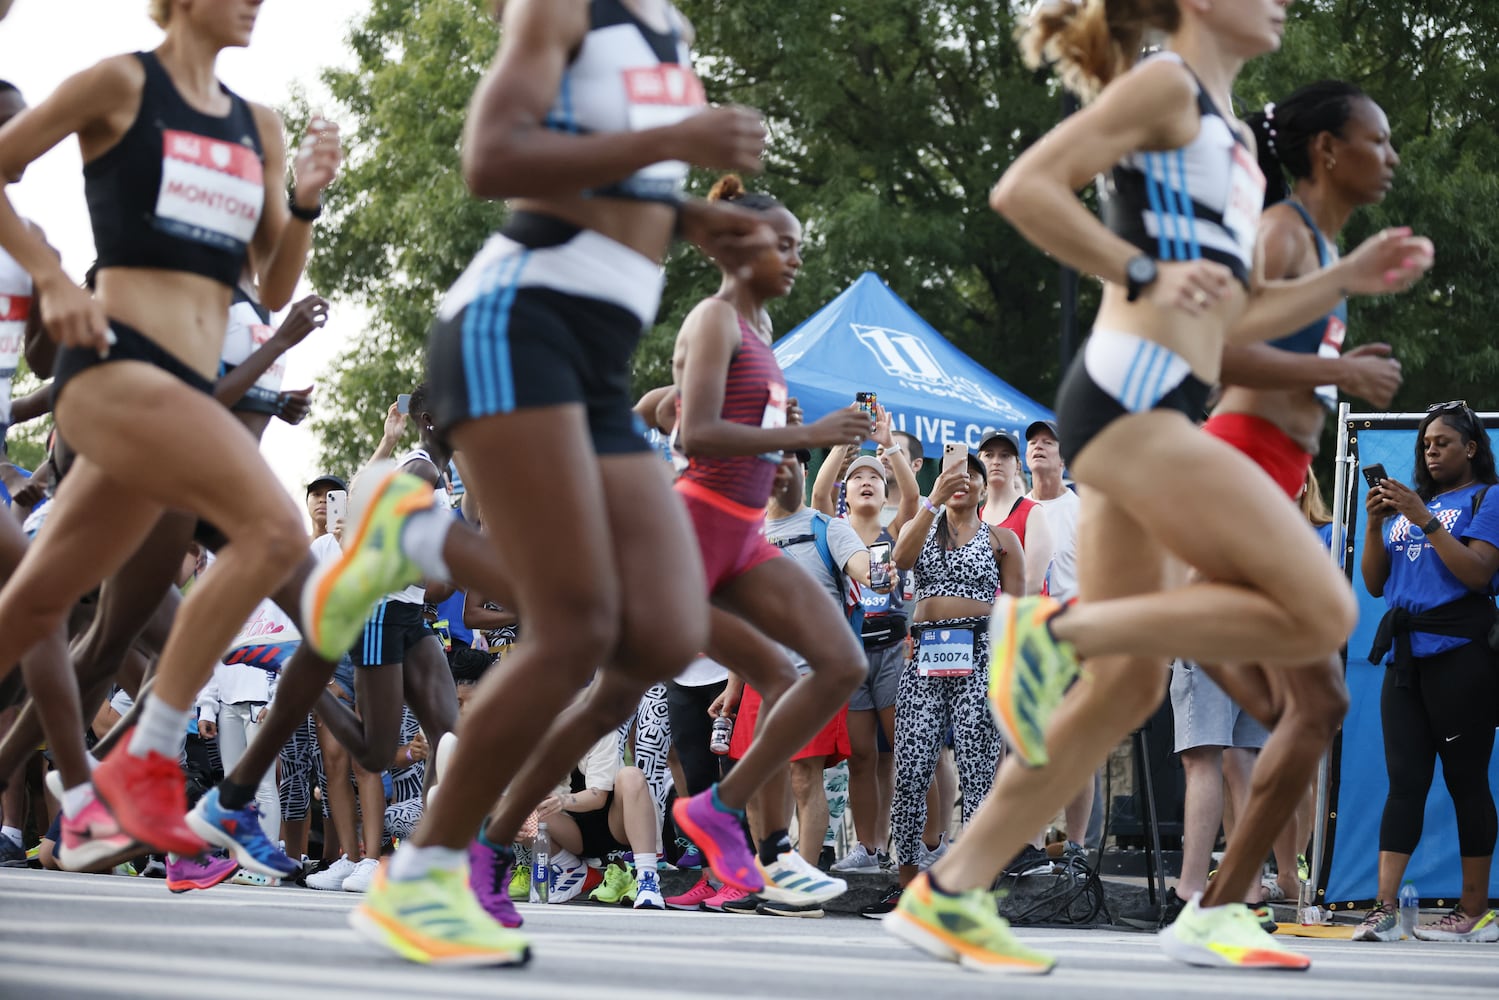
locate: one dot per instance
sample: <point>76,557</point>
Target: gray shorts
<point>880,684</point>
<point>1206,716</point>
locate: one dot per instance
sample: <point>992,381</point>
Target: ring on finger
<point>1200,298</point>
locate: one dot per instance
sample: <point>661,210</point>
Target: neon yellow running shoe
<point>966,929</point>
<point>1029,672</point>
<point>617,887</point>
<point>520,883</point>
<point>340,595</point>
<point>1225,937</point>
<point>435,920</point>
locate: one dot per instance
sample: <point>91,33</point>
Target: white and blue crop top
<point>628,77</point>
<point>1199,202</point>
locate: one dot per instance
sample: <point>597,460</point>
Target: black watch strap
<point>298,212</point>
<point>1432,525</point>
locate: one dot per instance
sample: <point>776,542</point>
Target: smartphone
<point>953,455</point>
<point>867,401</point>
<point>1373,474</point>
<point>338,506</point>
<point>403,403</point>
<point>879,565</point>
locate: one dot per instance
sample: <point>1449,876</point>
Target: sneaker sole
<point>913,933</point>
<point>1447,937</point>
<point>213,835</point>
<point>865,870</point>
<point>800,897</point>
<point>767,910</point>
<point>711,852</point>
<point>1253,958</point>
<point>186,885</point>
<point>1379,937</point>
<point>315,595</point>
<point>370,928</point>
<point>1002,694</point>
<point>98,856</point>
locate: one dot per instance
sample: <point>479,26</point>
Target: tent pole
<point>1343,502</point>
<point>1069,284</point>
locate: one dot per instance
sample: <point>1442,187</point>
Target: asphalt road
<point>78,936</point>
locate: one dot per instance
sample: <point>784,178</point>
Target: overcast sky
<point>45,41</point>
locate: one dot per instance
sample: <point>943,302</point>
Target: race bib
<point>1331,347</point>
<point>657,96</point>
<point>1246,200</point>
<point>874,603</point>
<point>14,311</point>
<point>944,652</point>
<point>211,192</point>
<point>774,417</point>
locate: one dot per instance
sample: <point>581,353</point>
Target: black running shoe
<point>1154,917</point>
<point>885,904</point>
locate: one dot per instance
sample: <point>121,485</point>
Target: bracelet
<point>298,212</point>
<point>930,507</point>
<point>895,449</point>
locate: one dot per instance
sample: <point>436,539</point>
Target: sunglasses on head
<point>1451,404</point>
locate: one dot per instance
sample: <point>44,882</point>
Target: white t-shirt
<point>1061,517</point>
<point>701,672</point>
<point>599,765</point>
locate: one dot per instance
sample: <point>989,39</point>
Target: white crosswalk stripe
<point>99,936</point>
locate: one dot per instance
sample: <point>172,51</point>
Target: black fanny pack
<point>881,631</point>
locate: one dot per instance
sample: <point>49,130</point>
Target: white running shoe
<point>446,744</point>
<point>793,880</point>
<point>363,874</point>
<point>648,892</point>
<point>331,879</point>
<point>569,875</point>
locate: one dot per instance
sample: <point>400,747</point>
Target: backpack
<point>853,602</point>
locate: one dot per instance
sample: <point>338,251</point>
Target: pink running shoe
<point>489,871</point>
<point>189,873</point>
<point>728,894</point>
<point>694,898</point>
<point>718,834</point>
<point>93,841</point>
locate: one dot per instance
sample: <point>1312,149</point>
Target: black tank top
<point>181,190</point>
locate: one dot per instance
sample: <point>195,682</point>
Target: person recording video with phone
<point>1433,554</point>
<point>960,564</point>
<point>871,774</point>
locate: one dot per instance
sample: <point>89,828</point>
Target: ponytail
<point>730,188</point>
<point>1285,131</point>
<point>1090,42</point>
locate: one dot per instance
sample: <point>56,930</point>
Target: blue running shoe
<point>239,832</point>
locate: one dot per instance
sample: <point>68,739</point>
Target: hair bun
<point>727,188</point>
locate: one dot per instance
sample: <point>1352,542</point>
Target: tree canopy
<point>890,120</point>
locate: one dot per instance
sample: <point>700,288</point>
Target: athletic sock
<point>162,729</point>
<point>412,862</point>
<point>718,804</point>
<point>76,799</point>
<point>937,887</point>
<point>644,863</point>
<point>422,540</point>
<point>233,797</point>
<point>563,858</point>
<point>774,846</point>
<point>506,853</point>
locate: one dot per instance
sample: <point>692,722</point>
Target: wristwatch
<point>1432,525</point>
<point>1140,273</point>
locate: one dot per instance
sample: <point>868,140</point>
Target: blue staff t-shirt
<point>1419,580</point>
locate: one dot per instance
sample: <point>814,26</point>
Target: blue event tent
<point>869,340</point>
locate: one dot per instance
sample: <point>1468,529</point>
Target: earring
<point>1331,163</point>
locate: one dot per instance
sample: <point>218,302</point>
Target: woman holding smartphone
<point>1182,199</point>
<point>1433,554</point>
<point>152,127</point>
<point>960,564</point>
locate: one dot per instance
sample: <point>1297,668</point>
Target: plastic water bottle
<point>541,864</point>
<point>1410,909</point>
<point>723,731</point>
